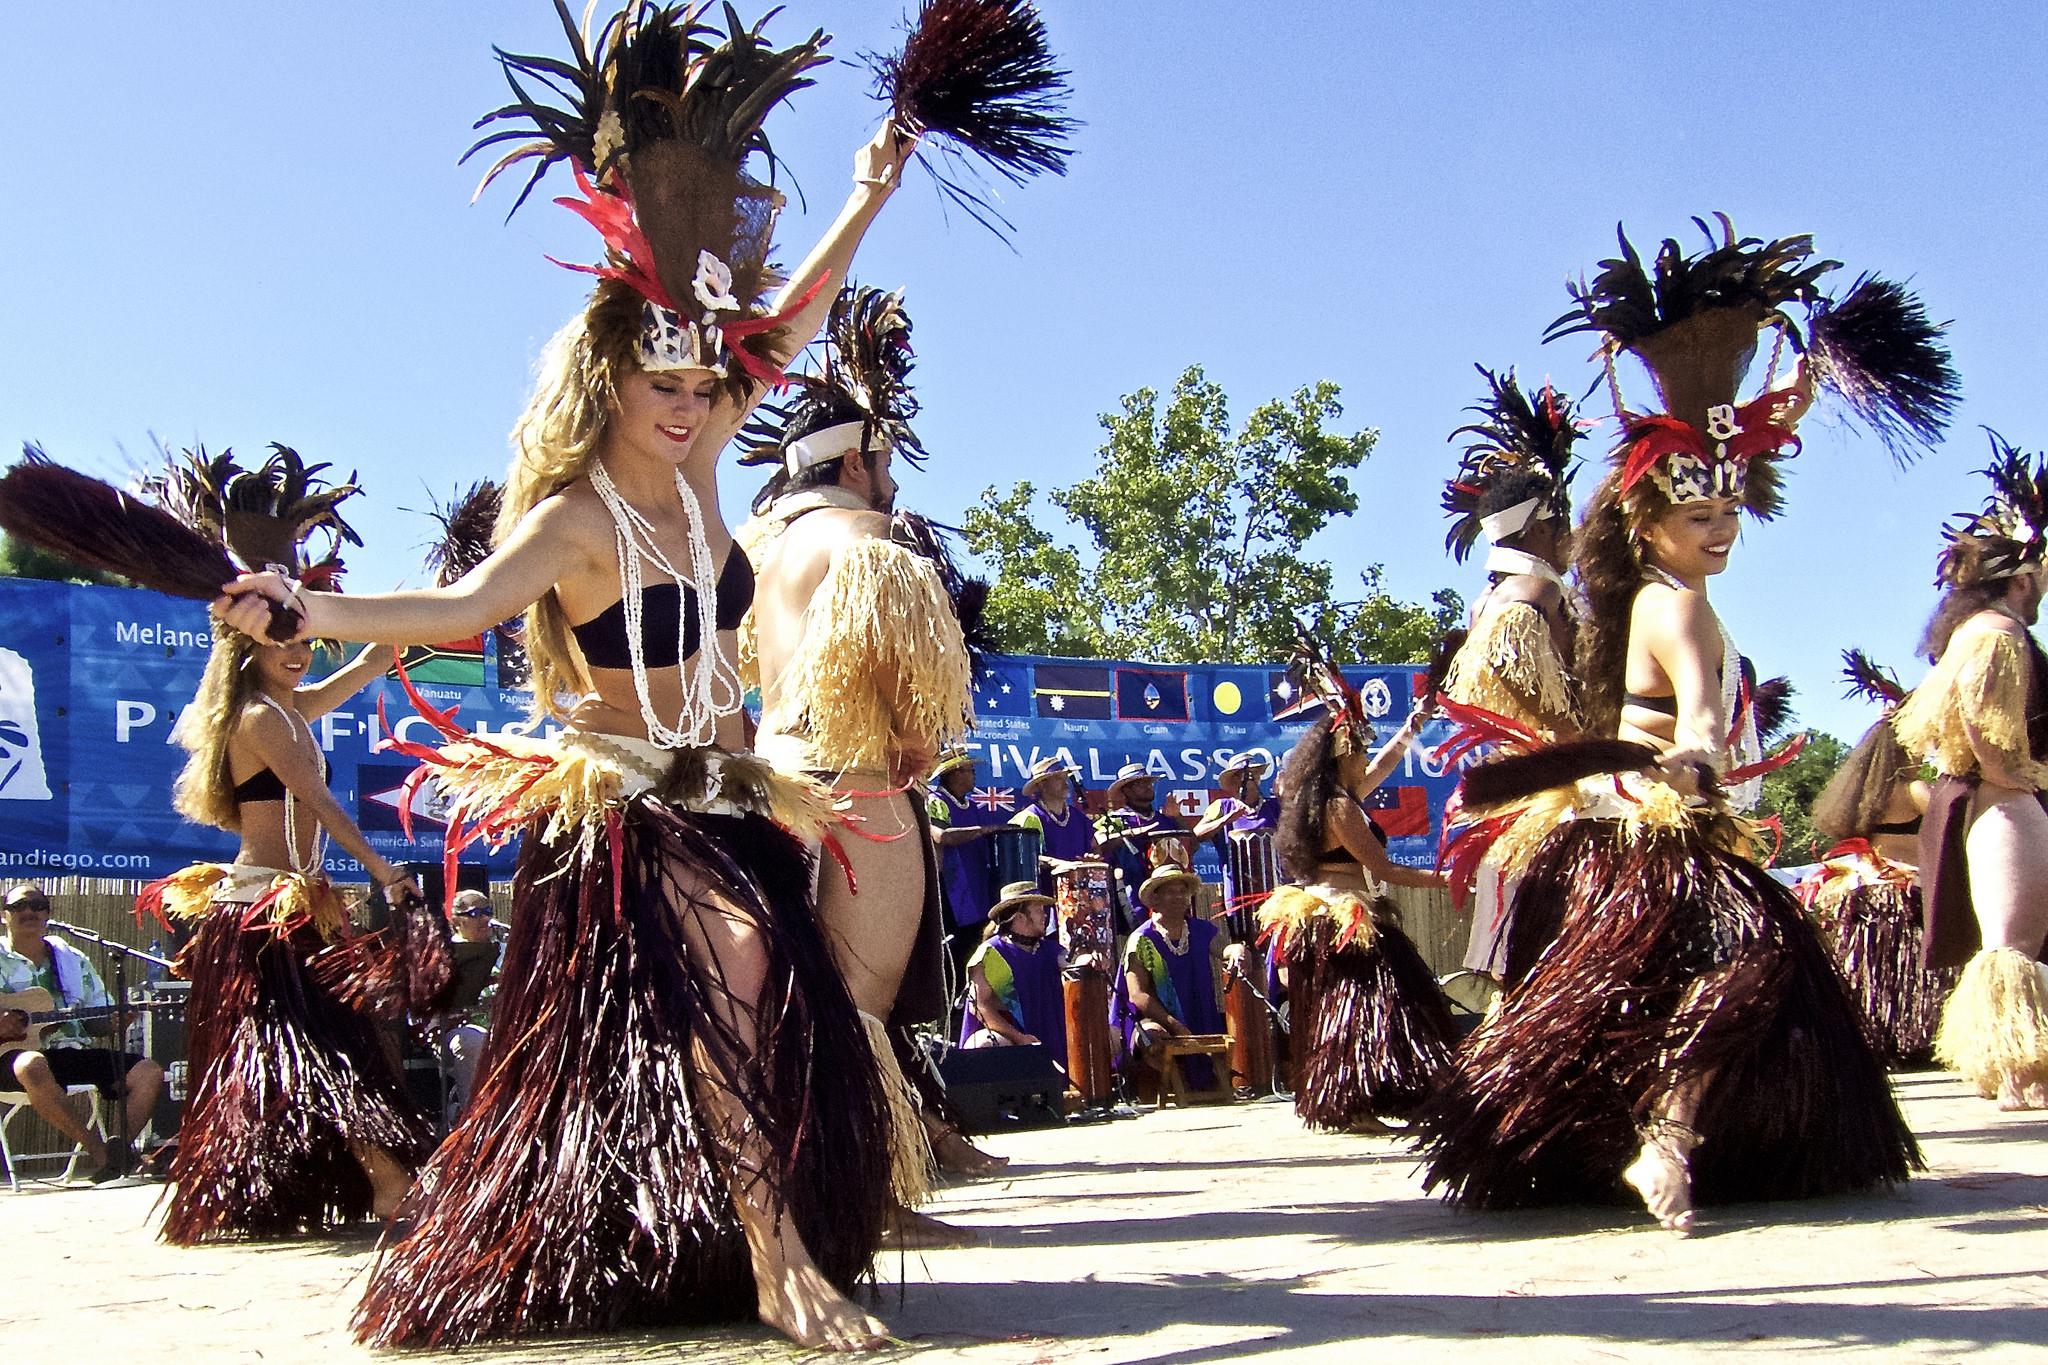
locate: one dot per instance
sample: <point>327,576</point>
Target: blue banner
<point>92,680</point>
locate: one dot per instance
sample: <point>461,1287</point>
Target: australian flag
<point>1073,691</point>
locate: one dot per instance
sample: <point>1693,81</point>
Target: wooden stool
<point>1173,1081</point>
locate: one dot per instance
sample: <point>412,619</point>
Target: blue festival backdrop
<point>92,680</point>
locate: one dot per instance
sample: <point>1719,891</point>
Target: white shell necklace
<point>317,861</point>
<point>711,685</point>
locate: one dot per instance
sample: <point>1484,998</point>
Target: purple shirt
<point>1029,986</point>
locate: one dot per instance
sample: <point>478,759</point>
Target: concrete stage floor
<point>1210,1235</point>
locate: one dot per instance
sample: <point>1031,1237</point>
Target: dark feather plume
<point>1867,680</point>
<point>1522,449</point>
<point>980,75</point>
<point>866,379</point>
<point>91,523</point>
<point>1630,303</point>
<point>1441,656</point>
<point>1877,349</point>
<point>467,524</point>
<point>1520,776</point>
<point>969,596</point>
<point>1770,706</point>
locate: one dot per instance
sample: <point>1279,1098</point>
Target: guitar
<point>36,1003</point>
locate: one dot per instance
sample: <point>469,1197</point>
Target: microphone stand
<point>122,952</point>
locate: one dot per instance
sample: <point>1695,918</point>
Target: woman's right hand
<point>245,605</point>
<point>1687,771</point>
<point>398,888</point>
<point>879,163</point>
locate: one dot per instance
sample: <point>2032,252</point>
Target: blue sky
<point>242,223</point>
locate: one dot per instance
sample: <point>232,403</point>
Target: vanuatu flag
<point>459,663</point>
<point>1151,694</point>
<point>1072,692</point>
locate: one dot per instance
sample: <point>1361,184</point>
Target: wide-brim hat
<point>1246,761</point>
<point>1050,767</point>
<point>950,759</point>
<point>1129,773</point>
<point>1015,896</point>
<point>1160,876</point>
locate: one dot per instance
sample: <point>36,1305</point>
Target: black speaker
<point>1005,1089</point>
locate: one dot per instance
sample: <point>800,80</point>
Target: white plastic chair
<point>14,1102</point>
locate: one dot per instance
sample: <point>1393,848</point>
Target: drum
<point>1081,896</point>
<point>1254,875</point>
<point>1250,1027</point>
<point>1014,850</point>
<point>1086,992</point>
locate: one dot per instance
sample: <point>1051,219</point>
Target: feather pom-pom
<point>980,75</point>
<point>1770,706</point>
<point>467,523</point>
<point>1877,349</point>
<point>88,522</point>
<point>1867,680</point>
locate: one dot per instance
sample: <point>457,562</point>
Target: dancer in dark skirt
<point>1682,1030</point>
<point>296,1120</point>
<point>1865,896</point>
<point>1371,1028</point>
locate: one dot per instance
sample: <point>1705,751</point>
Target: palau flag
<point>1150,694</point>
<point>1075,691</point>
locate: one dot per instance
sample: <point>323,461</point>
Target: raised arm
<point>273,739</point>
<point>316,699</point>
<point>877,170</point>
<point>1391,753</point>
<point>545,548</point>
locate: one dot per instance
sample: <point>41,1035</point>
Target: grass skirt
<point>1673,960</point>
<point>1874,929</point>
<point>1375,1030</point>
<point>589,1185</point>
<point>285,1077</point>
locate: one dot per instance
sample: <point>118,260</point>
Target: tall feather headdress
<point>660,114</point>
<point>2010,533</point>
<point>860,399</point>
<point>1695,322</point>
<point>1313,671</point>
<point>1516,469</point>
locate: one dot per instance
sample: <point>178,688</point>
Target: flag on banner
<point>1070,692</point>
<point>1290,700</point>
<point>380,793</point>
<point>1188,801</point>
<point>1003,690</point>
<point>993,798</point>
<point>1150,694</point>
<point>459,663</point>
<point>1399,811</point>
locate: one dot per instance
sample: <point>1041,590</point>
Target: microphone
<point>77,931</point>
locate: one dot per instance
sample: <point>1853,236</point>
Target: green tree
<point>1789,794</point>
<point>19,559</point>
<point>1195,536</point>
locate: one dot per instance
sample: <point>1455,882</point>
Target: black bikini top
<point>1911,826</point>
<point>603,637</point>
<point>1663,706</point>
<point>265,785</point>
<point>1344,858</point>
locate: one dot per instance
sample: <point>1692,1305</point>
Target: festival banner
<point>92,680</point>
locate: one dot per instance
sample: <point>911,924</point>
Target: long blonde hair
<point>205,790</point>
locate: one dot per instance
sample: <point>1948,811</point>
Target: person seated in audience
<point>469,1016</point>
<point>30,959</point>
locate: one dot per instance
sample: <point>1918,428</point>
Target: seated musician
<point>1124,834</point>
<point>30,959</point>
<point>1014,993</point>
<point>476,967</point>
<point>1171,981</point>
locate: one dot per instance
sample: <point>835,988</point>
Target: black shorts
<point>95,1066</point>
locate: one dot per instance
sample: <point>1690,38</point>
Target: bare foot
<point>2016,1094</point>
<point>910,1230</point>
<point>956,1154</point>
<point>1661,1176</point>
<point>389,1181</point>
<point>799,1302</point>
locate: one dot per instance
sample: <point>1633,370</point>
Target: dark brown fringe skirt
<point>1377,1032</point>
<point>1876,936</point>
<point>587,1186</point>
<point>284,1077</point>
<point>1673,960</point>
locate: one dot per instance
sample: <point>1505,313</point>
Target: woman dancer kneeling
<point>297,1119</point>
<point>1684,1029</point>
<point>1365,1009</point>
<point>677,1111</point>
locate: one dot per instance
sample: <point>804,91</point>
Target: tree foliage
<point>1789,794</point>
<point>19,559</point>
<point>1194,541</point>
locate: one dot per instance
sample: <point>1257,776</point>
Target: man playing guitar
<point>29,960</point>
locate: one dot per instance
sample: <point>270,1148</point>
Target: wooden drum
<point>1081,896</point>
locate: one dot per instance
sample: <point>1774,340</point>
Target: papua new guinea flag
<point>1073,692</point>
<point>1151,694</point>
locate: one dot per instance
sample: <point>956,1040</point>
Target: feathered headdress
<point>1516,470</point>
<point>1695,321</point>
<point>2011,533</point>
<point>1870,682</point>
<point>468,521</point>
<point>661,114</point>
<point>1313,671</point>
<point>978,76</point>
<point>861,400</point>
<point>265,517</point>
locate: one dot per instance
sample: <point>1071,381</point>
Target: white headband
<point>1513,520</point>
<point>830,444</point>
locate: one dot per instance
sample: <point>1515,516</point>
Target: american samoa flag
<point>993,798</point>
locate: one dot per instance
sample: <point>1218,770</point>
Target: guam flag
<point>1150,694</point>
